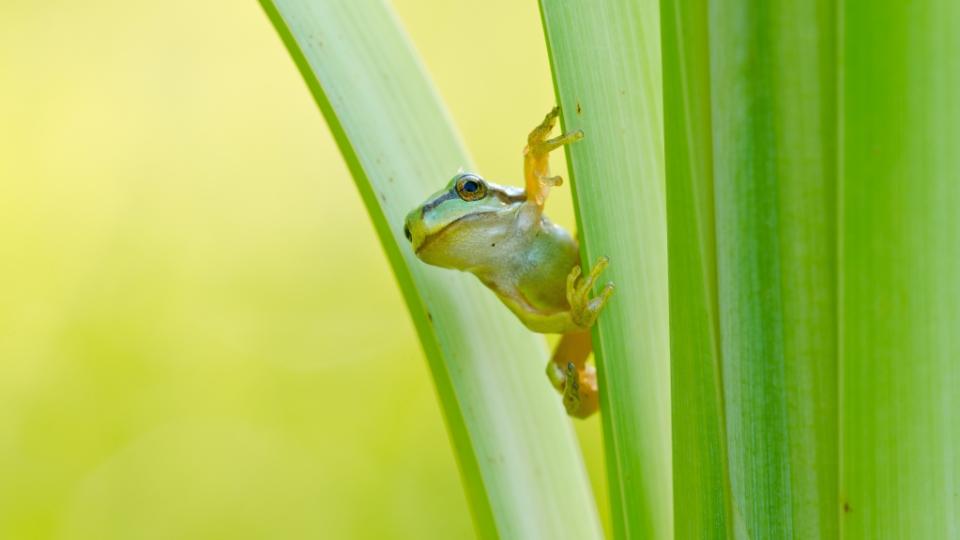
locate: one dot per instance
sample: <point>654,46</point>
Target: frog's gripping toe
<point>537,141</point>
<point>551,118</point>
<point>571,390</point>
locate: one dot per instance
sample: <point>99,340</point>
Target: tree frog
<point>501,235</point>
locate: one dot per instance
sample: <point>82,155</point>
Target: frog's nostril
<point>406,232</point>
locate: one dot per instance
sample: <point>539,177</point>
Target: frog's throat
<point>430,238</point>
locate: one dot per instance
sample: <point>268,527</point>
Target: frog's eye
<point>471,188</point>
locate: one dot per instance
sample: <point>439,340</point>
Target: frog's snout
<point>413,230</point>
<point>418,233</point>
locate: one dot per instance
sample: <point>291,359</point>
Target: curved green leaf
<point>516,450</point>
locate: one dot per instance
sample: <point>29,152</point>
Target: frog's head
<point>458,226</point>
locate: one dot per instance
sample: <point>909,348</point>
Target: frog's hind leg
<point>570,374</point>
<point>536,158</point>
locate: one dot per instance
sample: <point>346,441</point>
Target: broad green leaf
<point>751,178</point>
<point>900,270</point>
<point>773,122</point>
<point>517,453</point>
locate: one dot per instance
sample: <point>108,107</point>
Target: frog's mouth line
<point>429,239</point>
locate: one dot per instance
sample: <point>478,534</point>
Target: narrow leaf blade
<point>606,66</point>
<point>700,473</point>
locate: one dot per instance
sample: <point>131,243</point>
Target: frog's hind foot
<point>584,310</point>
<point>578,388</point>
<point>580,396</point>
<point>572,376</point>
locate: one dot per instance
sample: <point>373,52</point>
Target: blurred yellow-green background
<point>199,334</point>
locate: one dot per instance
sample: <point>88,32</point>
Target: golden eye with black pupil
<point>471,188</point>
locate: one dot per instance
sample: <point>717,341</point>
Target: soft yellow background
<point>199,334</point>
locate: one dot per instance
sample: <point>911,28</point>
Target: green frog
<point>501,235</point>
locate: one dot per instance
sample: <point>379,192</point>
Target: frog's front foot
<point>540,133</point>
<point>537,142</point>
<point>536,166</point>
<point>584,310</point>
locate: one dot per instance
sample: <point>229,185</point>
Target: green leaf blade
<point>899,268</point>
<point>606,67</point>
<point>751,160</point>
<point>773,99</point>
<point>518,457</point>
<point>700,474</point>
